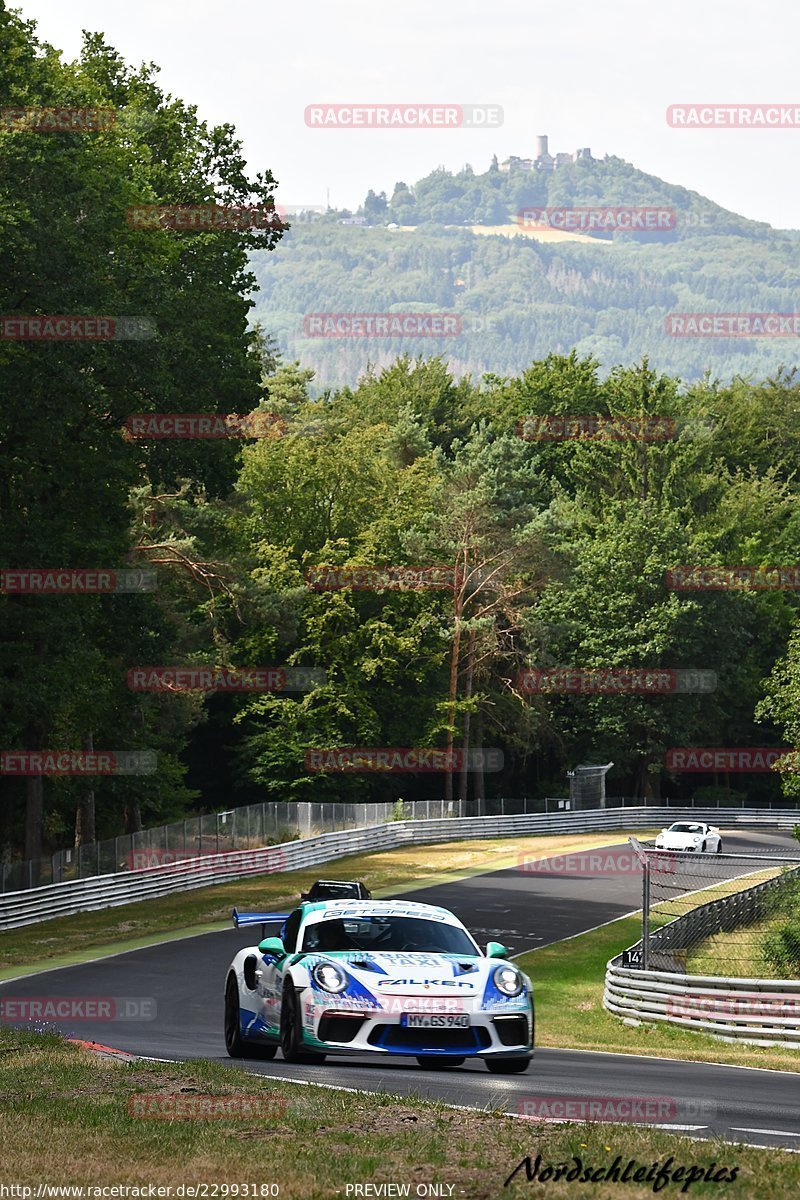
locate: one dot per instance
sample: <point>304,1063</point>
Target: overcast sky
<point>586,73</point>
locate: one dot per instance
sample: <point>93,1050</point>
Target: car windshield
<point>686,828</point>
<point>334,891</point>
<point>380,932</point>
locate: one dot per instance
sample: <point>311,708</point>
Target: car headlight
<point>329,977</point>
<point>508,981</point>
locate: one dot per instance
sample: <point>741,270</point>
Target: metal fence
<point>245,828</point>
<point>718,913</point>
<point>160,879</point>
<point>269,823</point>
<point>710,958</point>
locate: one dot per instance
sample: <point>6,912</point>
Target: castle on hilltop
<point>544,160</point>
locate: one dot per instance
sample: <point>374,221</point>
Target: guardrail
<point>108,891</point>
<point>764,1012</point>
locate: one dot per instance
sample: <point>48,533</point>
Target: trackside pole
<point>646,914</point>
<point>644,859</point>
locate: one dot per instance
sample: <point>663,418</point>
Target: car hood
<point>675,840</point>
<point>378,979</point>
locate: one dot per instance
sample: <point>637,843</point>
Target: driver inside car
<point>332,935</point>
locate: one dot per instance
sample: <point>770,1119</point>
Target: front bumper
<point>337,1029</point>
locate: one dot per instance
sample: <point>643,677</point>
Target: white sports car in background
<point>690,835</point>
<point>377,977</point>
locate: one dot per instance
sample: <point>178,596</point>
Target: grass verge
<point>71,1119</point>
<point>568,981</point>
<point>74,939</point>
<point>745,958</point>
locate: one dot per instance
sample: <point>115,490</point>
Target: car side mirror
<point>496,950</point>
<point>273,946</point>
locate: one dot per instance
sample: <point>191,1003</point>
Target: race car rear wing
<point>262,919</point>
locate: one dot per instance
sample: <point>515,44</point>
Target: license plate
<point>434,1021</point>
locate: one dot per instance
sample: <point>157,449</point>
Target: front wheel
<point>719,846</point>
<point>508,1066</point>
<point>438,1062</point>
<point>291,1041</point>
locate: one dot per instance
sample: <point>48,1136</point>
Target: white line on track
<point>773,1132</point>
<point>696,1062</point>
<point>675,1128</point>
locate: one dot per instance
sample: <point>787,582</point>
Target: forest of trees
<point>560,549</point>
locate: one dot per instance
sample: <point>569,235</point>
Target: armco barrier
<point>108,891</point>
<point>765,1012</point>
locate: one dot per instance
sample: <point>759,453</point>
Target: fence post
<point>646,914</point>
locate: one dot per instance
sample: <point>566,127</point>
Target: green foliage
<point>782,948</point>
<point>399,812</point>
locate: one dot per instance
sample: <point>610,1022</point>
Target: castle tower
<point>541,145</point>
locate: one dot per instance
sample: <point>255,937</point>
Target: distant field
<point>514,230</point>
<point>539,235</point>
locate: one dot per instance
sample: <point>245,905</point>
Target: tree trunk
<point>458,603</point>
<point>480,779</point>
<point>85,828</point>
<point>464,780</point>
<point>133,817</point>
<point>34,810</point>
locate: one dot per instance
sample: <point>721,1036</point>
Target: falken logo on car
<point>426,983</point>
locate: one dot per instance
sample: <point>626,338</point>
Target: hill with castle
<point>424,247</point>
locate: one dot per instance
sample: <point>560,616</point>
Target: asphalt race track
<point>521,908</point>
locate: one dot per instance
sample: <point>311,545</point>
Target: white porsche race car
<point>690,835</point>
<point>377,977</point>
